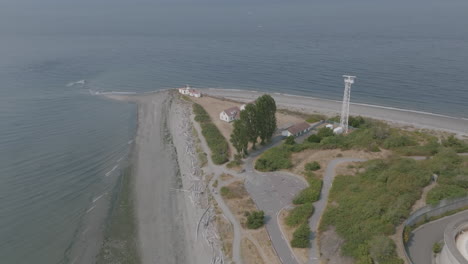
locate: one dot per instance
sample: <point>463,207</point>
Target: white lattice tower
<point>348,80</point>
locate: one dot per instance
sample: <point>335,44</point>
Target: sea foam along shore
<point>396,116</point>
<point>165,216</point>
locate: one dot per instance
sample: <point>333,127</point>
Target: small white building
<point>189,91</point>
<point>330,126</point>
<point>338,130</point>
<point>297,130</point>
<point>230,114</point>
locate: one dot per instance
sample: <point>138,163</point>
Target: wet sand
<point>330,107</point>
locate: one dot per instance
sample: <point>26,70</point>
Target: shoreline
<point>165,218</point>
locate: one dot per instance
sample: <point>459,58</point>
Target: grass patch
<point>452,171</point>
<point>310,194</point>
<point>300,214</point>
<point>373,203</point>
<point>276,158</point>
<point>120,237</point>
<point>301,237</point>
<point>215,140</point>
<point>312,166</point>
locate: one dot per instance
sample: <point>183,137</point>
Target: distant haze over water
<point>58,142</point>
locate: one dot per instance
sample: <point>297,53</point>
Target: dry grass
<point>226,232</point>
<point>249,252</point>
<point>301,253</point>
<point>226,177</point>
<point>323,157</point>
<point>330,248</point>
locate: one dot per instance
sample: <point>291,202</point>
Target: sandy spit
<point>329,107</point>
<point>165,217</point>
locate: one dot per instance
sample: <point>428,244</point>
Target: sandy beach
<point>329,107</point>
<point>165,217</point>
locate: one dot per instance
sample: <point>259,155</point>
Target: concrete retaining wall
<point>429,211</point>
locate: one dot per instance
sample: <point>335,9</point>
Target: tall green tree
<point>249,118</point>
<point>239,137</point>
<point>266,118</point>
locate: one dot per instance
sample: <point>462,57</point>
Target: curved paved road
<point>424,237</point>
<point>271,192</point>
<point>320,205</point>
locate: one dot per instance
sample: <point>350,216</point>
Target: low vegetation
<point>301,237</point>
<point>255,219</point>
<point>215,140</point>
<point>299,215</point>
<point>437,248</point>
<point>310,194</point>
<point>312,166</point>
<point>274,159</point>
<point>372,203</point>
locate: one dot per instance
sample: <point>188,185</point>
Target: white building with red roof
<point>189,91</point>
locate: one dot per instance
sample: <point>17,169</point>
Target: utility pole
<point>348,80</point>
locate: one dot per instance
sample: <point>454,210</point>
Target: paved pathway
<point>320,205</point>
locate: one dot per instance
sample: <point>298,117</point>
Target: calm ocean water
<point>61,147</point>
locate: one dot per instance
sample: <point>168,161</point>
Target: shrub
<point>442,192</point>
<point>325,132</point>
<point>396,141</point>
<point>290,140</point>
<point>274,159</point>
<point>382,249</point>
<point>310,194</point>
<point>215,140</point>
<point>255,220</point>
<point>312,166</point>
<point>300,214</point>
<point>456,144</point>
<point>437,248</point>
<point>357,121</point>
<point>314,138</point>
<point>301,237</point>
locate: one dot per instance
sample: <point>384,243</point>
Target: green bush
<point>456,144</point>
<point>395,141</point>
<point>290,140</point>
<point>276,158</point>
<point>325,132</point>
<point>312,166</point>
<point>255,220</point>
<point>301,237</point>
<point>314,138</point>
<point>437,248</point>
<point>215,140</point>
<point>382,250</point>
<point>310,194</point>
<point>300,214</point>
<point>442,192</point>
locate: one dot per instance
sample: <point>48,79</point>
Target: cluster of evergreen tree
<point>258,120</point>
